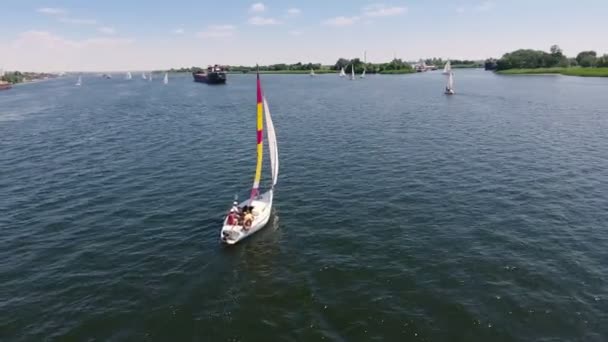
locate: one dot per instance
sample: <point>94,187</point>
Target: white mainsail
<point>449,88</point>
<point>128,76</point>
<point>312,72</point>
<point>143,76</point>
<point>150,77</point>
<point>447,68</point>
<point>79,83</point>
<point>364,64</point>
<point>342,73</point>
<point>352,72</point>
<point>166,79</point>
<point>272,144</point>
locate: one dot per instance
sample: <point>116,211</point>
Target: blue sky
<point>143,35</point>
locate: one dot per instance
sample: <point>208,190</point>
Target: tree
<point>586,58</point>
<point>341,63</point>
<point>602,62</point>
<point>556,51</point>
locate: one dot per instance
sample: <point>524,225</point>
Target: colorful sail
<point>255,191</point>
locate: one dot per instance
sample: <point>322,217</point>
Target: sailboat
<point>352,72</point>
<point>128,76</point>
<point>260,205</point>
<point>312,73</point>
<point>166,79</point>
<point>342,73</point>
<point>143,76</point>
<point>150,77</point>
<point>447,69</point>
<point>449,88</point>
<point>364,64</point>
<point>79,83</point>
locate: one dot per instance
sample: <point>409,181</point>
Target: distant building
<point>421,66</point>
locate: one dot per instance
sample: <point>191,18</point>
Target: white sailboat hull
<point>262,209</point>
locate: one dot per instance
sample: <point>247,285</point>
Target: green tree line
<point>532,59</point>
<point>396,65</point>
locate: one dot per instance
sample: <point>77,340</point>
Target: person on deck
<point>232,218</point>
<point>248,220</point>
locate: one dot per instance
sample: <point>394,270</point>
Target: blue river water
<point>400,213</point>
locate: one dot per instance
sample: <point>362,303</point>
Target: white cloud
<point>341,21</point>
<point>51,10</point>
<point>484,6</point>
<point>261,21</point>
<point>178,31</point>
<point>43,50</point>
<point>293,12</point>
<point>295,33</point>
<point>78,21</point>
<point>258,7</point>
<point>460,10</point>
<point>106,30</point>
<point>218,31</point>
<point>379,10</point>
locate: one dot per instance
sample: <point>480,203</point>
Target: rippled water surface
<point>400,213</point>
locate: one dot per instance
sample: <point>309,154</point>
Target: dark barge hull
<point>210,77</point>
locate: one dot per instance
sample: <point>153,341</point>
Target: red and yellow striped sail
<point>255,191</point>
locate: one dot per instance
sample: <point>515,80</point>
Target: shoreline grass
<point>397,72</point>
<point>574,71</point>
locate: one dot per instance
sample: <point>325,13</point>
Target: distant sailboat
<point>150,77</point>
<point>312,73</point>
<point>166,79</point>
<point>352,72</point>
<point>447,69</point>
<point>449,88</point>
<point>342,73</point>
<point>143,76</point>
<point>364,64</point>
<point>128,76</point>
<point>79,83</point>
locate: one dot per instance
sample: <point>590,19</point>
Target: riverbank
<point>397,72</point>
<point>318,72</point>
<point>575,71</point>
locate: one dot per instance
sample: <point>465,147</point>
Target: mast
<point>255,190</point>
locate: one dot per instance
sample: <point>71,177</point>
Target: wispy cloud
<point>218,31</point>
<point>106,30</point>
<point>460,10</point>
<point>258,7</point>
<point>295,33</point>
<point>292,12</point>
<point>178,31</point>
<point>380,10</point>
<point>51,10</point>
<point>62,16</point>
<point>78,21</point>
<point>46,51</point>
<point>262,21</point>
<point>341,21</point>
<point>45,39</point>
<point>484,6</point>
